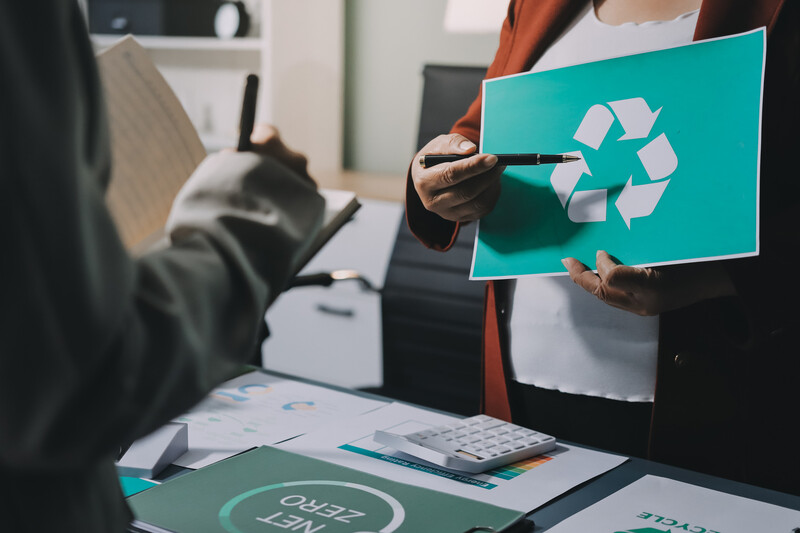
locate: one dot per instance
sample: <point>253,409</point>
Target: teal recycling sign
<point>669,143</point>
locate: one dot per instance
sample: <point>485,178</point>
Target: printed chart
<point>257,409</point>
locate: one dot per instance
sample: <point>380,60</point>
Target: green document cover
<point>670,148</point>
<point>268,490</point>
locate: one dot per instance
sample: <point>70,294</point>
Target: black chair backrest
<point>432,313</point>
<point>446,94</point>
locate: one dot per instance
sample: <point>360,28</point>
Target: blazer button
<point>682,360</point>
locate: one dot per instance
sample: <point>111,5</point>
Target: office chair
<point>432,313</point>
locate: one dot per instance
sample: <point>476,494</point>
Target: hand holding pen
<point>467,188</point>
<point>262,138</point>
<point>461,191</point>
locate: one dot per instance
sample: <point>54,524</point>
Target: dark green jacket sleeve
<point>98,348</point>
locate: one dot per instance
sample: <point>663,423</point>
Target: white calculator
<point>474,444</point>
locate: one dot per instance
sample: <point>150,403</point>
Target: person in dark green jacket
<point>98,348</point>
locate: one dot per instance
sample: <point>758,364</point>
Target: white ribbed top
<point>563,338</point>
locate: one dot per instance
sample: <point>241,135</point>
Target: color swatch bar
<point>513,470</point>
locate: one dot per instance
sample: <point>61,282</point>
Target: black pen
<point>248,113</point>
<point>430,160</point>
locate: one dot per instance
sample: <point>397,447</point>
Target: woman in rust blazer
<point>727,399</point>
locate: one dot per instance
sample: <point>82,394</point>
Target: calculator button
<point>502,449</point>
<point>529,441</point>
<point>491,424</point>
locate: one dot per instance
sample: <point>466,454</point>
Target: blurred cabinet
<point>296,47</point>
<point>334,334</point>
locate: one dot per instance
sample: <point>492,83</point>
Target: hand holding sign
<point>650,291</point>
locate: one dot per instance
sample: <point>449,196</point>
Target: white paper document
<point>522,486</point>
<point>257,409</point>
<point>659,505</point>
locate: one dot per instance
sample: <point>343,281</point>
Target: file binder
<point>269,490</point>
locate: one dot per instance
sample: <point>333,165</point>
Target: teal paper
<point>134,485</point>
<point>701,176</point>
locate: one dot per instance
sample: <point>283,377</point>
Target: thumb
<point>461,145</point>
<point>632,279</point>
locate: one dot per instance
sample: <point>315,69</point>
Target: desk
<point>581,497</point>
<point>388,187</point>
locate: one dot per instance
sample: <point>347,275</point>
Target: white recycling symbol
<point>657,157</point>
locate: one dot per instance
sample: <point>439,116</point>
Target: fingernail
<point>565,263</point>
<point>490,161</point>
<point>466,145</point>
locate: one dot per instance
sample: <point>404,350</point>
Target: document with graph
<point>257,409</point>
<point>522,486</point>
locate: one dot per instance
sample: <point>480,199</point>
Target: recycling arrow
<point>639,200</point>
<point>658,158</point>
<point>635,117</point>
<point>588,206</point>
<point>594,126</point>
<point>565,178</point>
